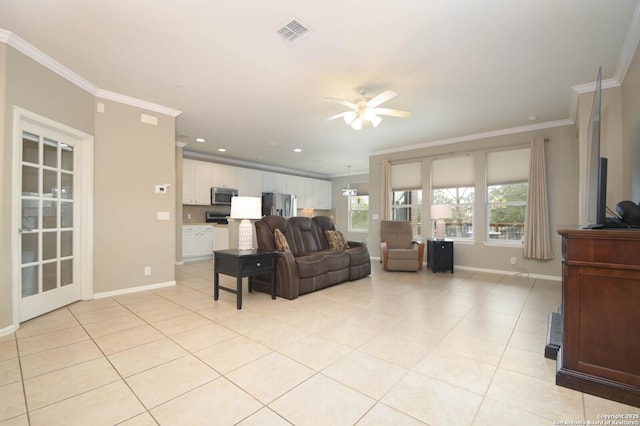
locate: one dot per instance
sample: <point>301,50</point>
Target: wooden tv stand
<point>600,350</point>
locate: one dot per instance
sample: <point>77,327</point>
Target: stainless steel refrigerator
<point>274,203</point>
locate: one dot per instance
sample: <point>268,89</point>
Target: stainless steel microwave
<point>222,196</point>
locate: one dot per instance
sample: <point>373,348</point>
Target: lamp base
<point>245,235</point>
<point>440,230</point>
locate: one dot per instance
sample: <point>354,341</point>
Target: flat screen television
<point>596,196</point>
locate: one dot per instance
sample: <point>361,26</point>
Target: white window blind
<point>452,172</point>
<point>508,166</point>
<point>406,176</point>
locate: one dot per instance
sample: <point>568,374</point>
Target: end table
<point>240,264</point>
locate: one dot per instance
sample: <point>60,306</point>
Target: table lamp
<point>439,212</point>
<point>245,208</point>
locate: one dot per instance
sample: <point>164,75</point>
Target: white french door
<point>50,206</point>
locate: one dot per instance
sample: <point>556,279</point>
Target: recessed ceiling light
<point>297,150</point>
<point>200,140</point>
<point>222,150</point>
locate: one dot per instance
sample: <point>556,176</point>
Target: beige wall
<point>33,87</point>
<point>130,159</point>
<point>631,130</point>
<point>562,173</point>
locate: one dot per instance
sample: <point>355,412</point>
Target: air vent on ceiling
<point>292,31</point>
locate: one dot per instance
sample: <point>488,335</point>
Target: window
<point>507,187</point>
<point>461,199</point>
<point>407,205</point>
<point>358,213</point>
<point>452,182</point>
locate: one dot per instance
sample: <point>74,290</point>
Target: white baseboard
<point>133,290</point>
<point>497,271</point>
<point>8,330</point>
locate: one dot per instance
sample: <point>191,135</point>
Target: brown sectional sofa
<point>310,264</point>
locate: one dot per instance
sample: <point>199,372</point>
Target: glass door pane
<point>47,229</point>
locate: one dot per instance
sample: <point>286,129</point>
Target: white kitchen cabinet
<point>197,241</point>
<point>204,182</point>
<point>188,181</point>
<point>249,182</point>
<point>274,182</point>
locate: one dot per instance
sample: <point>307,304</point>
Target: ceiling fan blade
<point>392,112</point>
<point>382,97</point>
<point>342,114</point>
<point>343,102</point>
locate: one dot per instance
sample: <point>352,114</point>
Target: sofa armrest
<point>286,275</point>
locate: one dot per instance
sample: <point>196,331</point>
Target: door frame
<point>85,218</point>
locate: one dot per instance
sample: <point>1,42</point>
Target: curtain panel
<point>537,238</point>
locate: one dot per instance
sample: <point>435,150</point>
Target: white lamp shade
<point>440,211</point>
<point>246,208</point>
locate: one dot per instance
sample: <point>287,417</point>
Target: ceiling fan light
<point>369,114</point>
<point>357,124</point>
<point>349,117</point>
<point>375,120</point>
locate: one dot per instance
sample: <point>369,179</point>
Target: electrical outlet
<point>147,270</point>
<point>513,260</point>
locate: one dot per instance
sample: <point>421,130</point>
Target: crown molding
<point>477,136</point>
<point>48,62</point>
<point>195,155</point>
<point>139,103</point>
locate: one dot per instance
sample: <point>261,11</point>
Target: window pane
<point>50,153</point>
<point>67,157</point>
<point>461,200</point>
<point>29,181</point>
<point>49,245</point>
<point>507,210</point>
<point>29,281</point>
<point>30,147</point>
<point>49,184</point>
<point>29,247</point>
<point>30,214</point>
<point>515,192</point>
<point>49,276</point>
<point>66,272</point>
<point>66,189</point>
<point>407,205</point>
<point>359,213</point>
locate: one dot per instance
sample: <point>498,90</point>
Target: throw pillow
<point>281,240</point>
<point>336,240</point>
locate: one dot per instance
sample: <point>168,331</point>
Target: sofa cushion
<point>312,265</point>
<point>281,241</point>
<point>336,259</point>
<point>404,254</point>
<point>336,240</point>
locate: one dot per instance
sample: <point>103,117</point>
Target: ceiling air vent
<point>292,31</point>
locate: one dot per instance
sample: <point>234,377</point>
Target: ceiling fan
<point>365,110</point>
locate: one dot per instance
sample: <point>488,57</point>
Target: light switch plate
<point>164,216</point>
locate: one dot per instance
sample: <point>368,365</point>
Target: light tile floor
<point>391,349</point>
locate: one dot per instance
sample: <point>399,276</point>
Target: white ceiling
<point>461,67</point>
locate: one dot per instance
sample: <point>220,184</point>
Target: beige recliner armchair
<point>398,251</point>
